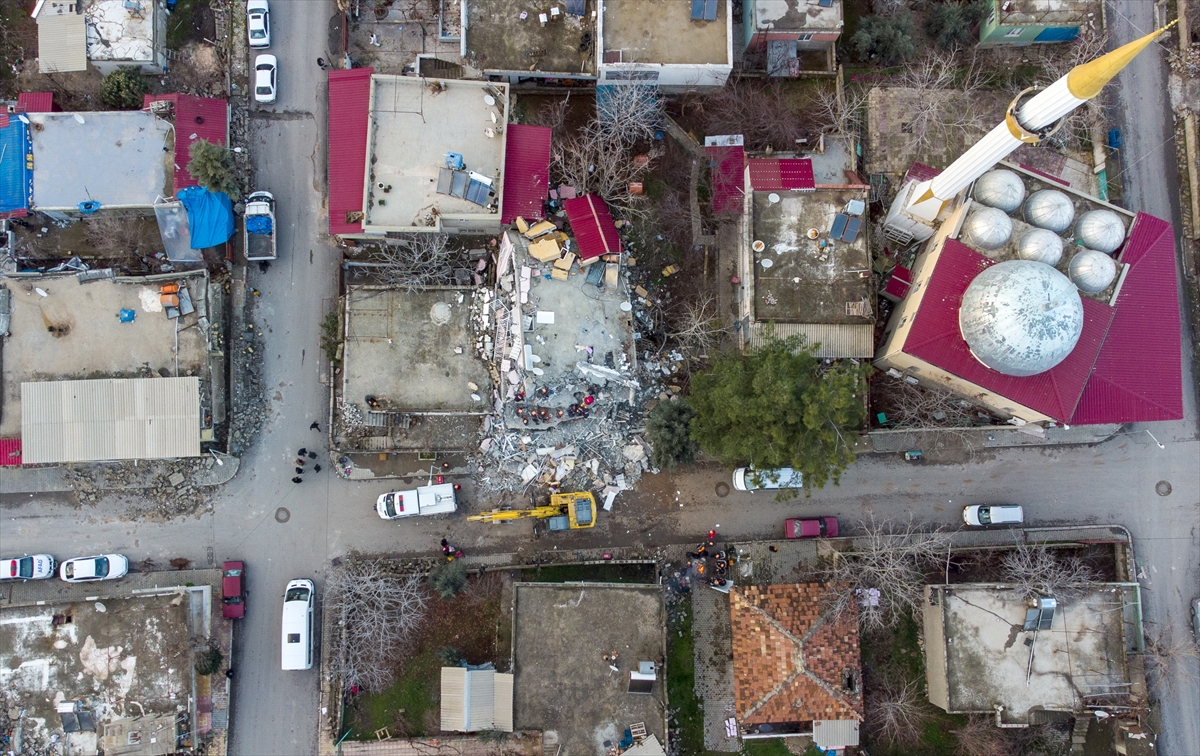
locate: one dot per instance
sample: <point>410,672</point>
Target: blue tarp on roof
<point>16,171</point>
<point>210,216</point>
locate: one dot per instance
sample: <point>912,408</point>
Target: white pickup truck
<point>426,500</point>
<point>259,225</point>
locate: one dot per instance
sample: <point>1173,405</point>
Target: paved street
<point>276,713</point>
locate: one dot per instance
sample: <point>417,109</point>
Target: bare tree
<point>1037,571</point>
<point>886,571</point>
<point>696,324</point>
<point>628,113</point>
<point>1171,660</point>
<point>594,162</point>
<point>889,7</point>
<point>416,261</point>
<point>765,113</point>
<point>895,712</point>
<point>1075,129</point>
<point>915,406</point>
<point>840,115</point>
<point>943,84</point>
<point>119,232</point>
<point>374,611</point>
<point>981,737</point>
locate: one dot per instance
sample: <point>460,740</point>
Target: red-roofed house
<point>781,174</point>
<point>527,168</point>
<point>592,223</point>
<point>349,108</point>
<point>195,118</point>
<point>36,102</point>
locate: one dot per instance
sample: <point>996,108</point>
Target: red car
<point>233,590</point>
<point>816,527</point>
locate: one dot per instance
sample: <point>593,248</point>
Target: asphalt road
<point>276,713</point>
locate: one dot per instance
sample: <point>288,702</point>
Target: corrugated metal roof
<point>114,418</point>
<point>921,172</point>
<point>1138,374</point>
<point>503,697</point>
<point>62,43</point>
<point>475,700</point>
<point>526,173</point>
<point>349,105</point>
<point>16,176</point>
<point>835,733</point>
<point>728,166</point>
<point>35,102</point>
<point>10,452</point>
<point>454,699</point>
<point>779,174</point>
<point>837,340</point>
<point>593,226</point>
<point>935,338</point>
<point>195,118</point>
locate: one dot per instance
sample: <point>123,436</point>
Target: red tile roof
<point>526,173</point>
<point>595,232</point>
<point>791,652</point>
<point>195,118</point>
<point>35,102</point>
<point>10,450</point>
<point>1138,374</point>
<point>936,339</point>
<point>728,166</point>
<point>920,172</point>
<point>349,104</point>
<point>776,174</point>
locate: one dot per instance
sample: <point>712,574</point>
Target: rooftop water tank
<point>1001,189</point>
<point>1040,245</point>
<point>1101,230</point>
<point>987,228</point>
<point>1092,271</point>
<point>1050,209</point>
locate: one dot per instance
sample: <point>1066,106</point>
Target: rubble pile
<point>164,489</point>
<point>32,732</point>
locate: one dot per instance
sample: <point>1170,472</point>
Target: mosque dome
<point>1092,271</point>
<point>1040,245</point>
<point>1021,317</point>
<point>1001,189</point>
<point>1050,209</point>
<point>987,228</point>
<point>1101,230</point>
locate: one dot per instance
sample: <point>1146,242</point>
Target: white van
<point>993,514</point>
<point>426,500</point>
<point>298,625</point>
<point>748,479</point>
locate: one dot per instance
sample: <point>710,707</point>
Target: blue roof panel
<point>16,166</point>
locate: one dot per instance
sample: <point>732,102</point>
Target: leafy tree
<point>448,578</point>
<point>780,406</point>
<point>450,656</point>
<point>669,431</point>
<point>124,89</point>
<point>208,661</point>
<point>213,168</point>
<point>949,24</point>
<point>884,39</point>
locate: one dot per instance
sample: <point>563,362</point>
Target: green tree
<point>780,406</point>
<point>448,578</point>
<point>669,431</point>
<point>213,168</point>
<point>450,656</point>
<point>949,25</point>
<point>884,39</point>
<point>124,89</point>
<point>208,661</point>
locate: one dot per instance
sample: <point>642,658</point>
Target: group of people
<point>700,560</point>
<point>302,458</point>
<point>451,553</point>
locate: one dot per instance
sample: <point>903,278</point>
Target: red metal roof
<point>1138,374</point>
<point>775,174</point>
<point>10,452</point>
<point>526,173</point>
<point>595,232</point>
<point>35,102</point>
<point>195,118</point>
<point>920,172</point>
<point>728,166</point>
<point>349,105</point>
<point>936,339</point>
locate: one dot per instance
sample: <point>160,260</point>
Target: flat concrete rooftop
<point>412,127</point>
<point>397,352</point>
<point>799,286</point>
<point>88,340</point>
<point>501,41</point>
<point>1044,11</point>
<point>116,31</point>
<point>662,31</point>
<point>113,157</point>
<point>562,683</point>
<point>796,15</point>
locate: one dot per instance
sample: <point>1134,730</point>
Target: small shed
<point>476,699</point>
<point>595,230</point>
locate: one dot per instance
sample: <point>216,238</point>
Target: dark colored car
<point>814,527</point>
<point>233,590</point>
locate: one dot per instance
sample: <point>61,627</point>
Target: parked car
<point>28,567</point>
<point>749,479</point>
<point>265,85</point>
<point>1196,618</point>
<point>89,568</point>
<point>233,590</point>
<point>258,24</point>
<point>993,514</point>
<point>297,647</point>
<point>812,527</point>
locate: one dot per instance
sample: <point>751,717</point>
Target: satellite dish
<point>767,262</point>
<point>625,306</point>
<point>758,245</point>
<point>489,100</point>
<point>773,198</point>
<point>79,118</point>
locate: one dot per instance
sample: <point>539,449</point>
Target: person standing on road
<point>315,426</point>
<point>321,63</point>
<point>297,479</point>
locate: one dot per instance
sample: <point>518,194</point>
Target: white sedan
<point>265,85</point>
<point>87,569</point>
<point>28,567</point>
<point>258,24</point>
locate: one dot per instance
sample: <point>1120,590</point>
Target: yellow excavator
<point>566,511</point>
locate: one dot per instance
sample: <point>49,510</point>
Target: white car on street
<point>265,84</point>
<point>749,479</point>
<point>258,24</point>
<point>28,567</point>
<point>993,514</point>
<point>87,569</point>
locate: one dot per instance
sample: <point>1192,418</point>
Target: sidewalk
<point>930,442</point>
<point>31,480</point>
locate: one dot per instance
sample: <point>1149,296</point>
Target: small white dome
<point>1092,271</point>
<point>1051,209</point>
<point>1001,189</point>
<point>1021,317</point>
<point>1040,245</point>
<point>1101,230</point>
<point>987,228</point>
